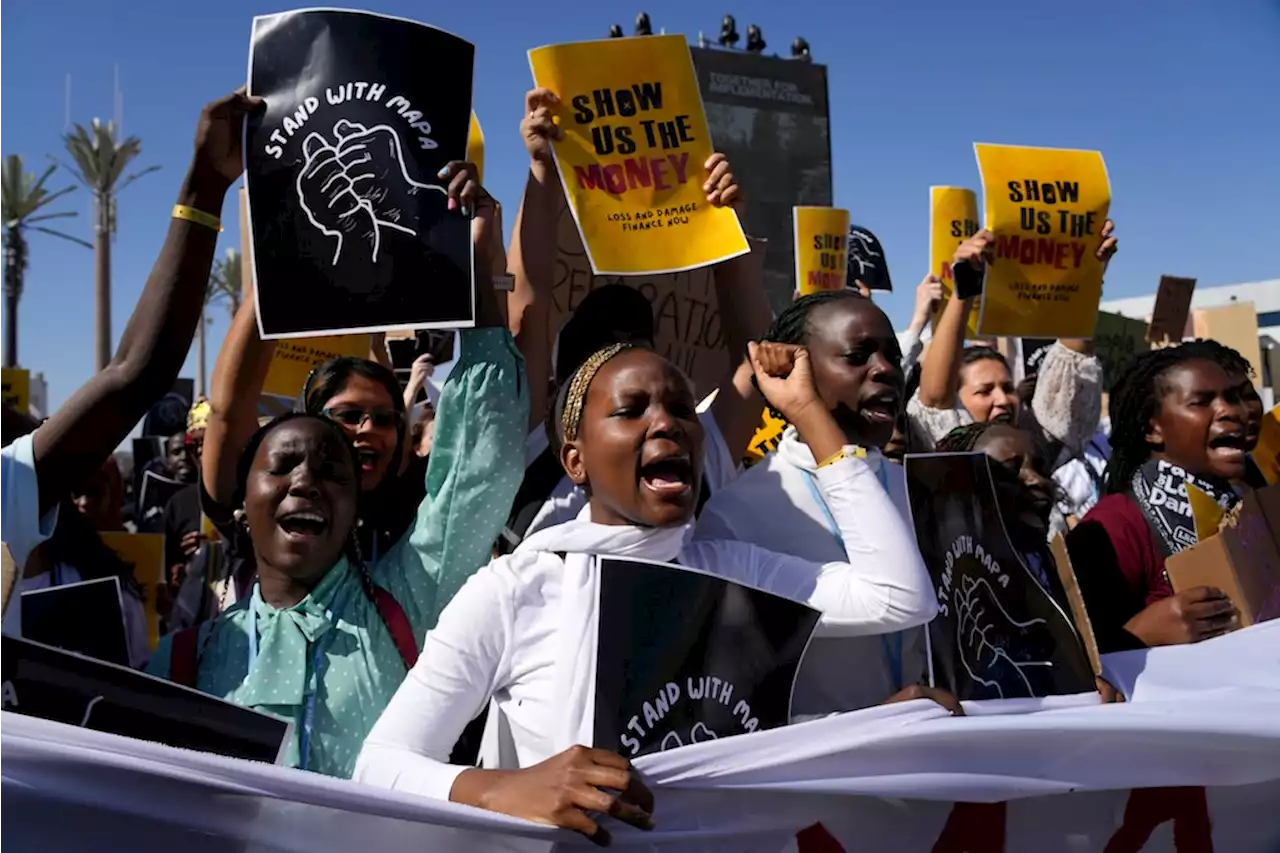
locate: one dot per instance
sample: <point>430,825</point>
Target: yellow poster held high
<point>475,146</point>
<point>295,358</point>
<point>635,142</point>
<point>1046,207</point>
<point>17,389</point>
<point>822,248</point>
<point>953,218</point>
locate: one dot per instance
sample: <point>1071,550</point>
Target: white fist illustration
<point>983,627</point>
<point>353,187</point>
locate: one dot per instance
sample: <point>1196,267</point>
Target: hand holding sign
<point>538,127</point>
<point>721,186</point>
<point>561,790</point>
<point>220,136</point>
<point>1188,617</point>
<point>970,261</point>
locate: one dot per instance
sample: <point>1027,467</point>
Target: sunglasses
<point>350,417</point>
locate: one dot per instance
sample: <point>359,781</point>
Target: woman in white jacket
<point>522,631</point>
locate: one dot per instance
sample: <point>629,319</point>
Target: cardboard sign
<point>1075,598</point>
<point>17,389</point>
<point>1235,326</point>
<point>1241,560</point>
<point>999,634</point>
<point>686,312</point>
<point>953,218</point>
<point>633,154</point>
<point>822,248</point>
<point>85,617</point>
<point>145,552</point>
<point>350,221</point>
<point>684,657</point>
<point>1172,309</point>
<point>295,358</point>
<point>8,577</point>
<point>1118,341</point>
<point>40,681</point>
<point>1046,207</point>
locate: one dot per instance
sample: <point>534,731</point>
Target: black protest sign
<point>152,499</point>
<point>685,657</point>
<point>998,634</point>
<point>85,617</point>
<point>168,416</point>
<point>867,263</point>
<point>40,681</point>
<point>1172,309</point>
<point>349,219</point>
<point>1033,352</point>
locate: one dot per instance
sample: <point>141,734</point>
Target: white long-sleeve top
<point>776,505</point>
<point>522,631</point>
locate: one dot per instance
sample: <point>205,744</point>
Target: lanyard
<point>892,642</point>
<point>317,667</point>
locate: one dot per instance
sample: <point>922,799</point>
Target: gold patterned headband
<point>576,396</point>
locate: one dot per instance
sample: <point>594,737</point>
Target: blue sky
<point>1181,97</point>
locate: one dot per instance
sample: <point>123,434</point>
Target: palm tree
<point>224,286</point>
<point>100,161</point>
<point>22,197</point>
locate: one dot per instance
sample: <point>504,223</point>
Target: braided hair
<point>963,439</point>
<point>353,551</point>
<point>792,325</point>
<point>1136,398</point>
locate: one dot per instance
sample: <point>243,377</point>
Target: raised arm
<point>532,258</point>
<point>744,316</point>
<point>477,458</point>
<point>940,370</point>
<point>80,435</point>
<point>882,585</point>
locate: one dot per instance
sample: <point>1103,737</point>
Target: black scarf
<point>1160,490</point>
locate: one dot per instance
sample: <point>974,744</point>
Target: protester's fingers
<point>715,177</point>
<point>539,98</point>
<point>714,160</point>
<point>1202,593</point>
<point>1108,248</point>
<point>1108,228</point>
<point>577,820</point>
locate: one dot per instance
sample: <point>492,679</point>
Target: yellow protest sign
<point>635,141</point>
<point>1267,454</point>
<point>822,248</point>
<point>475,146</point>
<point>17,389</point>
<point>1046,207</point>
<point>295,358</point>
<point>766,439</point>
<point>145,551</point>
<point>953,218</point>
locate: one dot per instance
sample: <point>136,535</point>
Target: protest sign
<point>867,263</point>
<point>953,218</point>
<point>295,358</point>
<point>8,576</point>
<point>1075,600</point>
<point>1267,454</point>
<point>1046,207</point>
<point>145,552</point>
<point>17,389</point>
<point>766,439</point>
<point>349,217</point>
<point>475,146</point>
<point>1033,352</point>
<point>686,313</point>
<point>822,248</point>
<point>85,617</point>
<point>999,633</point>
<point>45,682</point>
<point>1241,560</point>
<point>685,657</point>
<point>153,496</point>
<point>1172,310</point>
<point>168,416</point>
<point>633,153</point>
<point>1235,326</point>
<point>1117,341</point>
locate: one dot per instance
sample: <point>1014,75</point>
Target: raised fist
<point>358,185</point>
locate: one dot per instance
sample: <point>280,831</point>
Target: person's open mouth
<point>1229,447</point>
<point>368,459</point>
<point>882,407</point>
<point>668,476</point>
<point>303,525</point>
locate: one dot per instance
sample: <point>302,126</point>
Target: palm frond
<point>136,175</point>
<point>44,216</point>
<point>24,195</point>
<point>52,233</point>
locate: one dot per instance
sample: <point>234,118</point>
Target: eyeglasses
<point>350,417</point>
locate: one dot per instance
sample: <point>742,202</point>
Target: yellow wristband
<point>858,453</point>
<point>199,217</point>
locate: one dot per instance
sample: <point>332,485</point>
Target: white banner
<point>1204,720</point>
